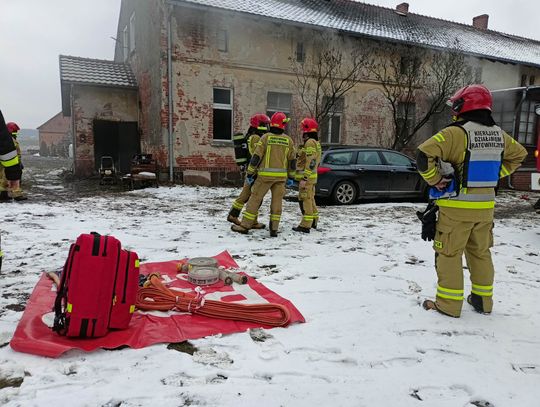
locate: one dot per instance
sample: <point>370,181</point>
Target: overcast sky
<point>34,32</point>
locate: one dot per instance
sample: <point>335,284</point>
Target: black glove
<point>429,221</point>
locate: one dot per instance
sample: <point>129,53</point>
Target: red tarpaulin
<point>34,335</point>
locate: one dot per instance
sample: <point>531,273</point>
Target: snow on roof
<point>385,23</point>
<point>96,72</point>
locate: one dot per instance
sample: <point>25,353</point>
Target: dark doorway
<point>120,140</point>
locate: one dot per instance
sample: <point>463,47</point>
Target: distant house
<point>55,137</point>
<point>203,67</point>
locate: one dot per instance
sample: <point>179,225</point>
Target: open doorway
<point>120,140</point>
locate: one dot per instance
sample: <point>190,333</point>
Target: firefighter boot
<point>301,229</point>
<point>314,224</point>
<point>476,301</point>
<point>258,225</point>
<point>273,233</point>
<point>233,216</point>
<point>239,229</point>
<point>21,197</point>
<point>4,196</point>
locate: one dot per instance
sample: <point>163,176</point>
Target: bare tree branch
<point>416,83</point>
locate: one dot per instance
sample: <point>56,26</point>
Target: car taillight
<point>536,153</point>
<point>323,170</point>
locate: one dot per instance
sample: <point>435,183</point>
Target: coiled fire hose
<point>154,296</point>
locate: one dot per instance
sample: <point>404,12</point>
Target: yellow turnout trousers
<point>453,238</point>
<point>259,189</point>
<point>306,198</point>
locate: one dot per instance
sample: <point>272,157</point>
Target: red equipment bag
<point>98,288</point>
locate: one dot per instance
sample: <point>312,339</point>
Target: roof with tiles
<point>96,72</point>
<point>384,23</point>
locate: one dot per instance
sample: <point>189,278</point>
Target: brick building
<point>55,137</point>
<point>203,67</point>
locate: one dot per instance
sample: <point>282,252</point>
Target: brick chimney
<point>480,22</point>
<point>402,9</point>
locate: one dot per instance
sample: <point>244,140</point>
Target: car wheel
<point>344,193</point>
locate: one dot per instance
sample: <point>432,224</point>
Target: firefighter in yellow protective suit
<point>16,192</point>
<point>10,167</point>
<point>480,153</point>
<point>258,126</point>
<point>274,163</point>
<point>308,160</point>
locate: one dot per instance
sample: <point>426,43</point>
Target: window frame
<point>271,109</point>
<point>335,113</point>
<point>409,120</point>
<point>223,107</point>
<point>300,52</point>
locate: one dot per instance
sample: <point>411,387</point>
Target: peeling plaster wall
<point>91,103</point>
<point>256,62</point>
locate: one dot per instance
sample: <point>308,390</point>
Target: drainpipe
<point>170,90</point>
<point>73,133</point>
<point>518,108</point>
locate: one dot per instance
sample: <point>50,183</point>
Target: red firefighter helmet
<point>12,127</point>
<point>279,119</point>
<point>472,97</point>
<point>309,125</point>
<point>259,121</point>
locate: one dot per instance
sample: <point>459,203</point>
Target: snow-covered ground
<point>359,281</point>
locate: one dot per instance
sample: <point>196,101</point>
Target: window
<point>406,115</point>
<point>278,102</point>
<point>523,80</point>
<point>300,53</point>
<point>331,125</point>
<point>132,33</point>
<point>396,159</point>
<point>223,40</point>
<point>339,158</point>
<point>409,65</point>
<point>125,43</point>
<point>532,79</point>
<point>222,114</point>
<point>526,132</point>
<point>368,158</point>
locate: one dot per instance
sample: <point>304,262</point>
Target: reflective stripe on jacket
<point>482,165</point>
<point>451,145</point>
<point>276,153</point>
<point>309,158</point>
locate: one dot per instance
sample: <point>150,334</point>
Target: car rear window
<point>339,158</point>
<point>368,158</point>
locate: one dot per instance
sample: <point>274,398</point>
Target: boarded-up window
<point>223,40</point>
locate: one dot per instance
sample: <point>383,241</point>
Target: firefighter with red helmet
<point>258,126</point>
<point>10,168</point>
<point>480,153</point>
<point>308,160</point>
<point>274,163</point>
<point>16,191</point>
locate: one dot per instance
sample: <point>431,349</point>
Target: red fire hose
<point>155,296</point>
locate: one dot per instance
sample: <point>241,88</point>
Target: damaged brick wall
<point>97,103</point>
